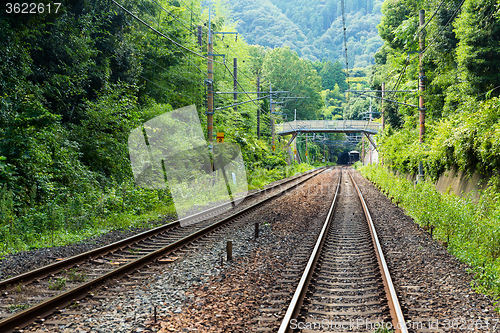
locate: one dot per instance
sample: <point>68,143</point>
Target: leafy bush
<point>469,140</point>
<point>258,178</point>
<point>469,228</point>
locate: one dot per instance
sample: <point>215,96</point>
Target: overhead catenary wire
<point>170,72</point>
<point>429,21</point>
<point>239,84</point>
<point>181,47</point>
<point>396,86</point>
<point>489,91</point>
<point>442,29</point>
<point>178,19</point>
<point>345,49</point>
<point>189,60</point>
<point>408,60</point>
<point>165,88</point>
<point>172,53</point>
<point>162,34</point>
<point>237,55</point>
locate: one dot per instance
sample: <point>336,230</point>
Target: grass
<point>26,233</point>
<point>74,276</point>
<point>258,178</point>
<point>17,307</point>
<point>57,284</point>
<point>18,288</point>
<point>469,228</point>
<point>74,218</point>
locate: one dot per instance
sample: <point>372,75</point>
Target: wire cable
<point>408,61</point>
<point>243,89</point>
<point>170,72</point>
<point>163,35</point>
<point>178,19</point>
<point>164,88</point>
<point>429,21</point>
<point>346,61</point>
<point>442,29</point>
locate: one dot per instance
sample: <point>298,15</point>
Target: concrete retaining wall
<point>461,183</point>
<point>458,181</point>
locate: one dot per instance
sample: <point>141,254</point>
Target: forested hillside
<point>462,77</point>
<point>312,28</point>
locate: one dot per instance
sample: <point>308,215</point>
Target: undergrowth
<point>470,228</point>
<point>70,219</point>
<point>258,178</point>
<point>93,212</point>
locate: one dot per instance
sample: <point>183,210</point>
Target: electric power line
<point>180,49</point>
<point>170,72</point>
<point>165,88</point>
<point>345,47</point>
<point>161,34</point>
<point>429,21</point>
<point>442,29</point>
<point>178,19</point>
<point>432,41</point>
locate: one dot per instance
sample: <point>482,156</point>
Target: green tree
<point>285,71</point>
<point>478,32</point>
<point>332,74</point>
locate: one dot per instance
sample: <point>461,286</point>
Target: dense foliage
<point>74,84</point>
<point>312,28</point>
<point>468,228</point>
<point>462,74</point>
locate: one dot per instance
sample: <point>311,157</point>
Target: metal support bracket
<point>294,135</point>
<point>371,141</point>
<point>219,55</point>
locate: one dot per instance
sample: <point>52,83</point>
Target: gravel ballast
<point>202,292</point>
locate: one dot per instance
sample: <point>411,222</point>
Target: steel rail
<point>26,317</point>
<point>298,297</point>
<point>55,267</point>
<point>398,321</point>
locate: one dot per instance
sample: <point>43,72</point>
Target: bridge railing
<point>297,125</point>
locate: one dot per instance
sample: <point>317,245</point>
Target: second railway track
<point>346,285</point>
<point>113,262</point>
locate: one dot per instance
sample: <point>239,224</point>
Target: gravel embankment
<point>197,292</point>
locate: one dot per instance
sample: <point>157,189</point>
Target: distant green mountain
<point>312,28</point>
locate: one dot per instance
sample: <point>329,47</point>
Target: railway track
<point>345,285</point>
<point>48,289</point>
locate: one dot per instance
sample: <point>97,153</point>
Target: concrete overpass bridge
<point>368,128</point>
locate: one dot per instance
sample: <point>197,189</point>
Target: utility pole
<point>307,157</point>
<point>258,108</point>
<point>297,156</point>
<point>210,83</point>
<point>383,110</point>
<point>383,119</point>
<point>370,149</point>
<point>200,43</point>
<point>235,74</point>
<point>363,150</point>
<point>371,118</point>
<point>324,150</point>
<point>421,87</point>
<point>271,116</point>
